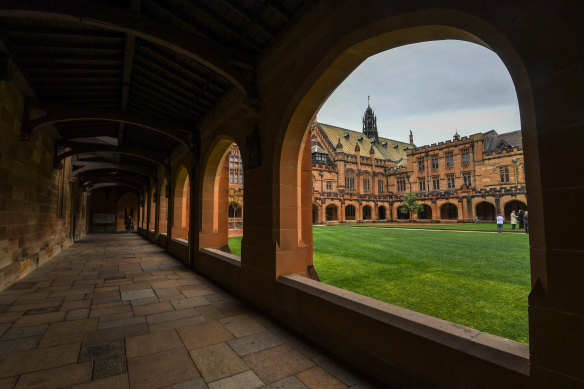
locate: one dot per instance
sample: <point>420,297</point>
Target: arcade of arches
<point>174,115</point>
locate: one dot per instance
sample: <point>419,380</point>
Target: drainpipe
<point>514,160</point>
<point>474,171</point>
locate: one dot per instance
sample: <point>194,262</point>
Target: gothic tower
<point>370,123</point>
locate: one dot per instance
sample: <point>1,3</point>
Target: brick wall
<point>32,192</point>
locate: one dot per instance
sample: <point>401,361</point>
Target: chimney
<point>411,138</point>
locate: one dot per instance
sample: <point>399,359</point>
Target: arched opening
<point>514,205</point>
<point>425,213</point>
<point>486,211</point>
<point>402,215</point>
<point>331,212</point>
<point>448,211</point>
<point>163,208</point>
<point>366,212</point>
<point>327,81</point>
<point>222,198</point>
<point>382,212</point>
<point>350,212</point>
<point>315,219</point>
<point>182,205</point>
<point>152,210</point>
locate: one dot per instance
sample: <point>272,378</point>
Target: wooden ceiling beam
<point>79,148</point>
<point>250,18</point>
<point>56,114</point>
<point>108,166</point>
<point>231,63</point>
<point>135,6</point>
<point>91,187</point>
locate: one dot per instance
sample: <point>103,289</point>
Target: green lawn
<point>477,280</point>
<point>455,226</point>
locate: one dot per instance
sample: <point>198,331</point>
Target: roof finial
<point>368,100</point>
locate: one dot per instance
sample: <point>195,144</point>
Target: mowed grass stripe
<point>477,280</point>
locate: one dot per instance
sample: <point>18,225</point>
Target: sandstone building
<point>173,84</point>
<point>359,176</point>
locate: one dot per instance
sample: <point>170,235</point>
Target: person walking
<point>526,223</point>
<point>520,218</point>
<point>513,220</point>
<point>499,223</point>
<point>129,224</point>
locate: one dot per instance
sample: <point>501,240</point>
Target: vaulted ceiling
<point>122,83</point>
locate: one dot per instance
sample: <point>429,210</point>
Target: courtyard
<point>476,279</point>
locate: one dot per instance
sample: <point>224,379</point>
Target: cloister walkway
<point>115,311</point>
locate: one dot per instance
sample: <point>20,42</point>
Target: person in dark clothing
<point>520,218</point>
<point>526,223</point>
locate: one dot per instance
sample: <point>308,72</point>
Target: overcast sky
<point>431,88</point>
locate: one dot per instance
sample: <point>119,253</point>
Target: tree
<point>410,204</point>
<point>234,199</point>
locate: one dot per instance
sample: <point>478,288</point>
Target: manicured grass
<point>492,227</point>
<point>235,245</point>
<point>477,280</point>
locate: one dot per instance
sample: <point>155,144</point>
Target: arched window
<point>350,180</point>
<point>350,212</point>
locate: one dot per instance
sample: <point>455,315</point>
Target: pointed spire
<point>456,136</point>
<point>371,150</point>
<point>339,145</point>
<point>357,148</point>
<point>411,138</point>
<point>370,122</point>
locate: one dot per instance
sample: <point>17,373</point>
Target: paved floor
<point>115,311</point>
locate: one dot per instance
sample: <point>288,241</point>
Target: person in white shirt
<point>499,223</point>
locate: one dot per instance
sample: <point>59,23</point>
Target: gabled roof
<point>494,141</point>
<point>388,149</point>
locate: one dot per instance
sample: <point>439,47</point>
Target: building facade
<point>359,176</point>
<point>235,196</point>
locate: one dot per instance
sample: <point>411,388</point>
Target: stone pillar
<point>497,204</point>
<point>469,208</point>
<point>435,210</point>
<point>460,208</point>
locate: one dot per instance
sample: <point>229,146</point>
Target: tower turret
<point>370,123</point>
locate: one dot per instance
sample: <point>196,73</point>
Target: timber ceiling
<point>122,83</point>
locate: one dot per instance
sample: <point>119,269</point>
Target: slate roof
<point>389,149</point>
<point>492,140</point>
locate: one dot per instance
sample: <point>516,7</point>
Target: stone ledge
<point>502,352</point>
<point>223,256</point>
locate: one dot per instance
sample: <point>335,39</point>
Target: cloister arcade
<point>173,99</point>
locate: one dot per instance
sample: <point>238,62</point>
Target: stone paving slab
<point>118,312</point>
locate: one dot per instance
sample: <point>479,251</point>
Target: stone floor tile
<point>77,314</point>
<point>151,309</point>
<point>135,285</point>
<point>10,317</point>
<point>189,302</point>
<point>170,299</point>
<point>152,343</point>
<point>176,323</point>
<point>71,305</point>
<point>116,316</point>
<point>111,309</point>
<point>217,362</point>
<point>145,301</point>
<point>333,368</point>
<point>33,320</point>
<point>38,359</point>
<point>111,288</point>
<point>72,327</point>
<point>52,341</point>
<point>318,378</point>
<point>56,378</point>
<point>9,382</point>
<point>114,382</point>
<point>53,302</point>
<point>167,292</point>
<point>121,322</point>
<point>15,345</point>
<point>41,310</point>
<point>189,281</point>
<point>4,327</point>
<point>254,343</point>
<point>102,350</point>
<point>137,294</point>
<point>25,332</point>
<point>276,363</point>
<point>242,325</point>
<point>172,315</point>
<point>204,334</point>
<point>214,297</point>
<point>194,292</point>
<point>196,383</point>
<point>287,383</point>
<point>114,333</point>
<point>211,312</point>
<point>110,366</point>
<point>243,380</point>
<point>165,284</point>
<point>161,369</point>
